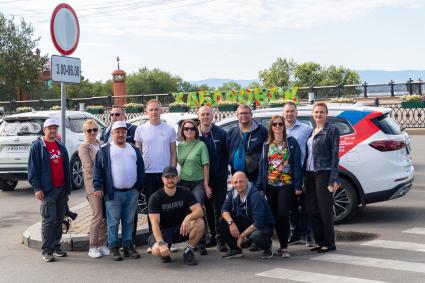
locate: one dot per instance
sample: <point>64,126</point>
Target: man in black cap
<point>175,217</point>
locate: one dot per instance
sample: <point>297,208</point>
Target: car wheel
<point>76,173</point>
<point>8,185</point>
<point>142,207</point>
<point>345,202</point>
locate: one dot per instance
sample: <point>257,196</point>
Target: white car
<point>375,154</point>
<point>18,131</point>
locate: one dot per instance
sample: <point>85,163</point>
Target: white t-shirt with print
<point>156,140</point>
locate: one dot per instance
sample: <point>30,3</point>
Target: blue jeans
<point>123,207</point>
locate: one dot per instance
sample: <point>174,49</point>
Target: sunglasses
<point>115,114</point>
<point>192,129</point>
<point>94,130</point>
<point>275,124</point>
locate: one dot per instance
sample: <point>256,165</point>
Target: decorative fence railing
<point>405,117</point>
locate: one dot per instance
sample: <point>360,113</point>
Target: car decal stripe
<point>354,116</point>
<point>363,130</point>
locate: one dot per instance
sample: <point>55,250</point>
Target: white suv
<point>18,131</point>
<point>375,154</point>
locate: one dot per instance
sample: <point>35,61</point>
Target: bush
<point>24,109</point>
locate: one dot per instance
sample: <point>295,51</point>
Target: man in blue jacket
<point>118,177</point>
<point>117,114</point>
<point>246,219</point>
<point>245,143</point>
<point>48,174</point>
<point>215,140</point>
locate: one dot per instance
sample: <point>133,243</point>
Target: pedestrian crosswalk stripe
<point>304,276</point>
<point>373,262</point>
<point>416,230</point>
<point>397,245</point>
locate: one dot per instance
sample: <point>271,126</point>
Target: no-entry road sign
<point>65,29</point>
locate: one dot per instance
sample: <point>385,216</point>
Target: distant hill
<point>370,76</point>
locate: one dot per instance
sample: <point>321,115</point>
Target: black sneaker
<point>233,254</point>
<point>116,255</point>
<point>48,258</point>
<point>189,258</point>
<point>202,251</point>
<point>165,259</point>
<point>59,253</point>
<point>131,253</point>
<point>211,243</point>
<point>294,239</point>
<point>254,248</point>
<point>267,254</point>
<point>222,248</point>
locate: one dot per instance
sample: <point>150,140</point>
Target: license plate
<point>18,148</point>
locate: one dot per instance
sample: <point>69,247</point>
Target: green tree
<point>254,84</point>
<point>152,82</point>
<point>308,74</point>
<point>230,86</point>
<point>279,74</point>
<point>19,67</point>
<point>339,75</point>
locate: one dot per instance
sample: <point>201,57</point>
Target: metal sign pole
<point>63,109</point>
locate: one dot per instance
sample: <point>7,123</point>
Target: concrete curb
<point>72,242</point>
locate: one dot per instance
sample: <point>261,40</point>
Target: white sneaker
<point>174,248</point>
<point>104,250</point>
<point>94,252</point>
<point>149,250</point>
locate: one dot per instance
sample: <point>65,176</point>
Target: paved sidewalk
<point>77,238</point>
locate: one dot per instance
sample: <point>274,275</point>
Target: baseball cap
<point>50,122</point>
<point>119,124</point>
<point>169,171</point>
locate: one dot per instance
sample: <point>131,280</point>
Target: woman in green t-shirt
<point>192,155</point>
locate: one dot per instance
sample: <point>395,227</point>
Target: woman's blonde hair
<point>89,124</point>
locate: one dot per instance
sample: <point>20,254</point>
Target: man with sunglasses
<point>298,218</point>
<point>117,114</point>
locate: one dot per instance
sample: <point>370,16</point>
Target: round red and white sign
<point>65,29</point>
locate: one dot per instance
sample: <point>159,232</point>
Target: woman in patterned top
<point>280,173</point>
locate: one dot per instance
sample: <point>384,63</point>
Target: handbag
<point>252,160</point>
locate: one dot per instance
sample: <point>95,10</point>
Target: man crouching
<point>246,219</point>
<point>168,212</point>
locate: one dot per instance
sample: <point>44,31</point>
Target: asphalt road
<point>395,254</point>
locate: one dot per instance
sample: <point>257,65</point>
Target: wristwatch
<point>161,243</point>
<point>230,222</point>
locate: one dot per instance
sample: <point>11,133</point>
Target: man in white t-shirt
<point>157,142</point>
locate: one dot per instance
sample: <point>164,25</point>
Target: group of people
<point>283,180</point>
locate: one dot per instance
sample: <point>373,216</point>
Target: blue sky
<point>199,39</point>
